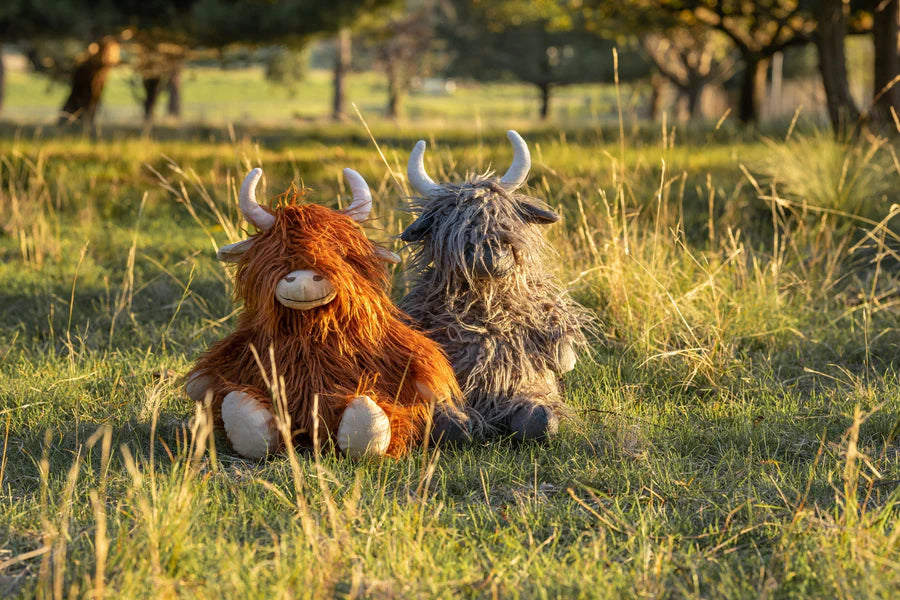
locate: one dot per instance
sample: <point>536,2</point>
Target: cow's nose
<point>289,278</point>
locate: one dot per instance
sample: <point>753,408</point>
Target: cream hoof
<point>196,386</point>
<point>566,357</point>
<point>425,392</point>
<point>364,429</point>
<point>250,425</point>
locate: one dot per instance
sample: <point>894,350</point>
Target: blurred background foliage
<point>690,59</point>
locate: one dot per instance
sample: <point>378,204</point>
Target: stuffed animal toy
<point>481,283</point>
<point>314,293</point>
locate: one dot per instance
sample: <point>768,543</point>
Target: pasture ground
<point>737,424</point>
<point>215,96</point>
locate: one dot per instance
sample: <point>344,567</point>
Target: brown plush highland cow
<point>314,290</point>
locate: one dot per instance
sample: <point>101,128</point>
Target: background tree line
<point>688,45</point>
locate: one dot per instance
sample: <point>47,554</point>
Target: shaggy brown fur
<point>357,343</point>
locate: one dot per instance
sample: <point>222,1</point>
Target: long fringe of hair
<point>503,335</point>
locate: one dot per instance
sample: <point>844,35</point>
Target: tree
<point>762,28</point>
<point>22,20</point>
<point>400,43</point>
<point>690,58</point>
<point>173,108</point>
<point>541,43</point>
<point>88,80</point>
<point>342,51</point>
<point>887,61</point>
<point>831,16</point>
<point>157,64</point>
<point>214,23</point>
<point>222,22</point>
<point>758,30</point>
<point>96,24</point>
<point>2,78</point>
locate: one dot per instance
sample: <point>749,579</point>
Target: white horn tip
<point>415,170</point>
<point>357,183</point>
<point>361,206</point>
<point>253,212</point>
<point>251,180</point>
<point>517,173</point>
<point>254,175</point>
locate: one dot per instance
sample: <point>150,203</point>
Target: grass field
<point>218,96</point>
<point>737,423</point>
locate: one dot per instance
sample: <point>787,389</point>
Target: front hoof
<point>565,357</point>
<point>533,422</point>
<point>196,386</point>
<point>250,426</point>
<point>364,429</point>
<point>446,430</point>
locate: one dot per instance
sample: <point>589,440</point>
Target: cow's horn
<point>521,164</point>
<point>253,212</point>
<point>361,206</point>
<point>415,170</point>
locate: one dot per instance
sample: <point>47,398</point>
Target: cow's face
<point>481,229</point>
<point>477,230</point>
<point>304,289</point>
<point>305,256</point>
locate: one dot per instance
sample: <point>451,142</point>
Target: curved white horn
<point>386,255</point>
<point>415,170</point>
<point>253,212</point>
<point>361,206</point>
<point>521,164</point>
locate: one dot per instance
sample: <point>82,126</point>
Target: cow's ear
<point>417,230</point>
<point>232,252</point>
<point>532,213</point>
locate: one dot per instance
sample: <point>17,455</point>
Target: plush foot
<point>196,386</point>
<point>565,357</point>
<point>250,425</point>
<point>447,430</point>
<point>426,392</point>
<point>533,422</point>
<point>364,429</point>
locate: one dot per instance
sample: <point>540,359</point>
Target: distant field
<point>737,421</point>
<point>216,96</point>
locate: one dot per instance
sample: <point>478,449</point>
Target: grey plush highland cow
<point>482,286</point>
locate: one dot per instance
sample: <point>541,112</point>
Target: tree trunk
<point>887,61</point>
<point>753,85</point>
<point>174,89</point>
<point>2,78</point>
<point>153,87</point>
<point>693,92</point>
<point>395,94</point>
<point>830,33</point>
<point>545,100</point>
<point>88,81</point>
<point>656,91</point>
<point>341,66</point>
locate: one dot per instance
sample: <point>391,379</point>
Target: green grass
<point>737,423</point>
<point>237,95</point>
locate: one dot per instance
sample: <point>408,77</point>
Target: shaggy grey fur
<point>511,335</point>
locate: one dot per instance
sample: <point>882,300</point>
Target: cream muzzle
<point>303,290</point>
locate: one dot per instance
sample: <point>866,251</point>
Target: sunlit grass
<point>737,422</point>
<point>244,95</point>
